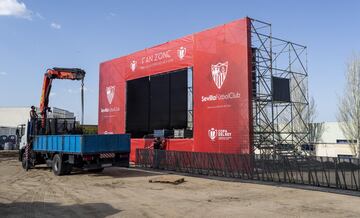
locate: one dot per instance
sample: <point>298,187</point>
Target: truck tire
<point>57,165</point>
<point>27,164</point>
<point>21,152</point>
<point>23,162</point>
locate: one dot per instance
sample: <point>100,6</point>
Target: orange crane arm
<point>49,76</point>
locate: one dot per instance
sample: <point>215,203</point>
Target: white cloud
<point>14,8</point>
<point>3,73</point>
<point>52,93</point>
<point>55,25</point>
<point>37,14</point>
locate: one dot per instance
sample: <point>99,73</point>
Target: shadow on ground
<point>258,182</point>
<point>45,209</point>
<point>117,172</point>
<point>7,154</point>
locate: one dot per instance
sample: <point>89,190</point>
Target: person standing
<point>159,154</point>
<point>157,143</point>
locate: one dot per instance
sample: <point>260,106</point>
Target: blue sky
<point>38,34</point>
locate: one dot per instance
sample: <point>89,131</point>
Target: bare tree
<point>349,105</point>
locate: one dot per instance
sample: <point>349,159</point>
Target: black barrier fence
<point>341,173</point>
<point>53,126</point>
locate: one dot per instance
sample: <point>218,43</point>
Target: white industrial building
<point>14,116</point>
<point>10,120</point>
<point>332,142</point>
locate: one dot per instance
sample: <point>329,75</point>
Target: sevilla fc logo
<point>219,72</point>
<point>110,92</point>
<point>181,52</point>
<point>212,134</point>
<point>133,65</point>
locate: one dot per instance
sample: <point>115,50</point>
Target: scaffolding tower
<point>279,127</point>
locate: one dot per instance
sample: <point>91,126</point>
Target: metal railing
<point>340,173</point>
<point>53,126</point>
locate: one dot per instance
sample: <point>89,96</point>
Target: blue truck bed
<point>82,144</point>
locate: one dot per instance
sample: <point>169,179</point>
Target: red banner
<point>221,86</point>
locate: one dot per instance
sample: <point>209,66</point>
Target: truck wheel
<point>23,161</point>
<point>21,154</point>
<point>26,164</point>
<point>57,165</point>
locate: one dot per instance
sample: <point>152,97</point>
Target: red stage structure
<point>219,58</point>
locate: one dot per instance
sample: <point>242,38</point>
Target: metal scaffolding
<point>279,127</point>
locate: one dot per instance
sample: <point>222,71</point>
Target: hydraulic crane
<point>59,73</point>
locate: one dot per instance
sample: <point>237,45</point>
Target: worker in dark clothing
<point>159,145</point>
<point>33,119</point>
<point>33,114</point>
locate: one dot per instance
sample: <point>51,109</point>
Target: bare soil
<point>121,192</point>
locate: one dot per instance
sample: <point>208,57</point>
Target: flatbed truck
<point>60,144</point>
<point>87,152</point>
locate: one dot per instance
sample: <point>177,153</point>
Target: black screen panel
<point>157,102</point>
<point>137,107</point>
<point>178,99</point>
<point>281,89</point>
<point>160,102</point>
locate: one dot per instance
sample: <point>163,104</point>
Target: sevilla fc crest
<point>219,72</point>
<point>110,92</point>
<point>181,52</point>
<point>133,65</point>
<point>212,134</point>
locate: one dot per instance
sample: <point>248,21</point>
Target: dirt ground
<point>127,193</point>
